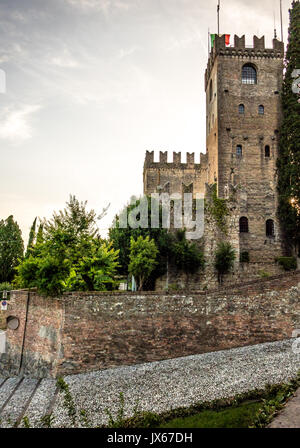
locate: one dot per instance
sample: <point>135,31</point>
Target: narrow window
<point>270,229</point>
<point>244,226</point>
<point>210,90</point>
<point>249,74</point>
<point>241,109</point>
<point>267,151</point>
<point>239,150</point>
<point>261,110</point>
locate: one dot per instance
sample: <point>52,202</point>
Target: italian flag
<point>213,36</point>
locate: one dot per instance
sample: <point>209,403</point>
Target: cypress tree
<point>31,240</point>
<point>289,146</point>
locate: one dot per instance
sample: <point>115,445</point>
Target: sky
<point>92,84</point>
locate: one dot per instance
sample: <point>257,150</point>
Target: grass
<point>241,416</point>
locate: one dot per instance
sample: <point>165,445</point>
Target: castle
<point>243,115</point>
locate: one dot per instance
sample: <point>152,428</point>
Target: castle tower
<point>243,120</point>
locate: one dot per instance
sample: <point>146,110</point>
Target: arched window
<point>241,109</point>
<point>244,226</point>
<point>267,151</point>
<point>261,110</point>
<point>270,228</point>
<point>210,90</point>
<point>249,74</point>
<point>239,150</point>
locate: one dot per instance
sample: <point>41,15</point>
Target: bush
<point>288,263</point>
<point>224,259</point>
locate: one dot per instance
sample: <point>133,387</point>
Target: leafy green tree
<point>11,248</point>
<point>289,145</point>
<point>224,259</point>
<point>143,254</point>
<point>31,239</point>
<point>121,237</point>
<point>69,254</point>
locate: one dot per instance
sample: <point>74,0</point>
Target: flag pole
<point>281,20</point>
<point>208,42</point>
<point>218,11</point>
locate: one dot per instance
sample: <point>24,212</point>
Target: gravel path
<point>161,386</point>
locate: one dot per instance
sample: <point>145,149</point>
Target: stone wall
<point>88,331</point>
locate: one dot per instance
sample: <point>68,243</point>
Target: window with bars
<point>239,150</point>
<point>244,226</point>
<point>261,109</point>
<point>241,109</point>
<point>249,74</point>
<point>270,228</point>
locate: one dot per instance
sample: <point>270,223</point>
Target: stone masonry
<point>82,332</point>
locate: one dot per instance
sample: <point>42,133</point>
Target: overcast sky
<point>93,84</point>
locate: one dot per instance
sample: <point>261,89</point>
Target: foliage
<point>11,248</point>
<point>273,404</point>
<point>6,286</point>
<point>224,259</point>
<point>121,237</point>
<point>288,263</point>
<point>185,255</point>
<point>69,255</point>
<point>218,209</point>
<point>142,259</point>
<point>31,239</point>
<point>172,250</point>
<point>69,403</point>
<point>289,146</point>
<point>244,257</point>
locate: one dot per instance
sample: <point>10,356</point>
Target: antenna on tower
<point>218,12</point>
<point>281,21</point>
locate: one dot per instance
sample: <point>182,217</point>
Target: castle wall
<point>170,177</point>
<point>81,332</point>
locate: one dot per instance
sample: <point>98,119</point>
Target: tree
<point>289,146</point>
<point>143,254</point>
<point>31,239</point>
<point>69,254</point>
<point>186,256</point>
<point>121,238</point>
<point>224,259</point>
<point>11,248</point>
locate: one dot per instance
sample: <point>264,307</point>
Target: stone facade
<point>82,332</point>
<point>243,122</point>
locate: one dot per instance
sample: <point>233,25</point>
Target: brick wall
<point>89,331</point>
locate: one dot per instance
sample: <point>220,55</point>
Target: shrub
<point>288,263</point>
<point>224,259</point>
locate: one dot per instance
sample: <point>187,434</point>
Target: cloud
<point>15,124</point>
<point>65,60</point>
<point>104,6</point>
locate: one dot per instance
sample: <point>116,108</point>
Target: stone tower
<point>243,115</point>
<point>243,120</point>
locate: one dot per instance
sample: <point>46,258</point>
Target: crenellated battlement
<point>177,160</point>
<point>241,50</point>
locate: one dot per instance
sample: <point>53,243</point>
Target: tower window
<point>244,226</point>
<point>210,90</point>
<point>267,151</point>
<point>239,150</point>
<point>241,109</point>
<point>249,74</point>
<point>261,110</point>
<point>270,228</point>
